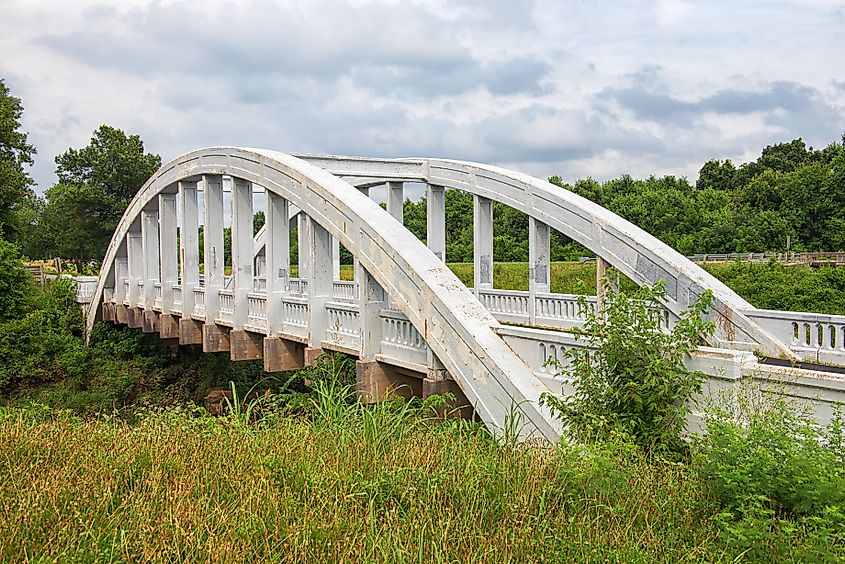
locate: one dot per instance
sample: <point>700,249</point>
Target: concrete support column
<point>335,259</point>
<point>319,281</point>
<point>189,245</point>
<point>135,252</point>
<point>213,244</point>
<point>601,273</point>
<point>371,300</point>
<point>277,255</point>
<point>365,190</point>
<point>168,249</point>
<point>396,200</point>
<point>435,220</point>
<point>242,252</point>
<point>303,236</point>
<point>482,243</point>
<point>152,272</point>
<point>539,253</point>
<point>121,274</point>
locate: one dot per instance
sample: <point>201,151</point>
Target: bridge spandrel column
<point>396,200</point>
<point>303,235</point>
<point>213,244</point>
<point>539,259</point>
<point>135,253</point>
<point>335,259</point>
<point>435,220</point>
<point>482,243</point>
<point>242,252</point>
<point>189,245</point>
<point>365,190</point>
<point>121,275</point>
<point>168,249</point>
<point>152,274</point>
<point>319,282</point>
<point>277,255</point>
<point>371,300</point>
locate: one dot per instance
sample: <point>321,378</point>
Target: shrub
<point>630,379</point>
<point>778,479</point>
<point>17,286</point>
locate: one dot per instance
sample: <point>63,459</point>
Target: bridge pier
<point>150,322</point>
<point>438,381</point>
<point>245,345</point>
<point>281,355</point>
<point>121,315</point>
<point>377,381</point>
<point>310,355</point>
<point>215,338</point>
<point>190,331</point>
<point>135,318</point>
<point>168,326</point>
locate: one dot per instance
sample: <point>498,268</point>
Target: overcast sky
<point>574,88</point>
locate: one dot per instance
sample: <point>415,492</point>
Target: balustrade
<point>199,302</point>
<point>257,314</point>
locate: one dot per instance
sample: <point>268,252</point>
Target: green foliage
<point>95,185</point>
<point>17,286</point>
<point>15,152</point>
<point>776,475</point>
<point>631,380</point>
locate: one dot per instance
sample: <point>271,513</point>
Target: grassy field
<point>347,485</point>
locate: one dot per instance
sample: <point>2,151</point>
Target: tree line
<point>792,194</point>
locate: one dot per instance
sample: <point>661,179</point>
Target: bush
<point>778,478</point>
<point>17,286</point>
<point>630,380</point>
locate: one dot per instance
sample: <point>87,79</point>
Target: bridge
<point>411,323</point>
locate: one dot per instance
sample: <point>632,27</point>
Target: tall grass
<point>338,482</point>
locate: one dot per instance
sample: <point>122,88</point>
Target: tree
<point>15,152</point>
<point>17,286</point>
<point>96,184</point>
<point>78,222</point>
<point>112,162</point>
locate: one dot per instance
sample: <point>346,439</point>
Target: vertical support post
<point>121,274</point>
<point>168,256</point>
<point>303,236</point>
<point>149,232</point>
<point>213,244</point>
<point>365,190</point>
<point>135,251</point>
<point>242,253</point>
<point>396,200</point>
<point>189,245</point>
<point>371,300</point>
<point>539,252</point>
<point>335,259</point>
<point>601,273</point>
<point>482,243</point>
<point>277,255</point>
<point>435,220</point>
<point>319,282</point>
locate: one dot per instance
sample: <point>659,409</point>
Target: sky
<point>547,87</point>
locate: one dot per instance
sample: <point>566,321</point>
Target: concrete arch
<point>456,327</point>
<point>637,254</point>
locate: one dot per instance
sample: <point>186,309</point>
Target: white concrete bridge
<point>406,316</point>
